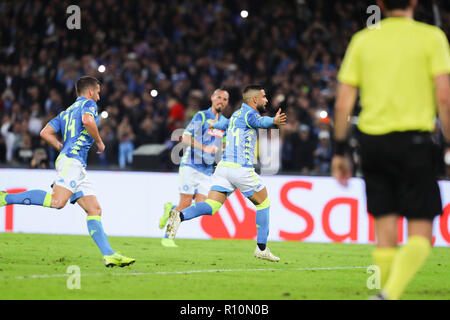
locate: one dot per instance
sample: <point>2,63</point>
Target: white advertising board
<point>311,209</point>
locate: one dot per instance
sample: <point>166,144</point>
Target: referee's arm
<point>442,91</point>
<point>345,102</point>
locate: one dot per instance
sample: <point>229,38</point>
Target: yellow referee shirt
<point>394,67</point>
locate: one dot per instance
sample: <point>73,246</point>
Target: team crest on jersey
<point>216,133</point>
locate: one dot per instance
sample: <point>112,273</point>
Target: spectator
<point>147,133</point>
<point>40,159</point>
<point>35,122</point>
<point>107,157</point>
<point>24,153</point>
<point>323,153</point>
<point>176,114</point>
<point>2,150</point>
<point>288,144</point>
<point>304,150</point>
<point>10,132</point>
<point>126,147</point>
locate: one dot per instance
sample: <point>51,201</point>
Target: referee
<point>402,71</point>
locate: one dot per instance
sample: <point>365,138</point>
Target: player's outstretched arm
<point>256,121</point>
<point>280,118</point>
<point>91,127</point>
<point>190,141</point>
<point>48,134</point>
<point>221,124</point>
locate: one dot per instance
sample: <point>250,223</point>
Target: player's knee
<point>184,203</point>
<point>58,204</point>
<point>263,205</point>
<point>215,205</point>
<point>96,211</point>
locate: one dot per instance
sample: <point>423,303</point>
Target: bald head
<point>219,100</point>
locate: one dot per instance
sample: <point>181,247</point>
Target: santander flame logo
<point>215,226</point>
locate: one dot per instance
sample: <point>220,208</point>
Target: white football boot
<point>265,254</point>
<point>173,223</point>
<point>379,296</point>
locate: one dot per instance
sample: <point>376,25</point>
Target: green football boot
<point>169,243</point>
<point>3,201</point>
<point>162,222</point>
<point>117,260</point>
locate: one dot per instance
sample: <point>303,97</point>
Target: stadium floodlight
<point>447,158</point>
<point>323,114</point>
<point>154,93</point>
<point>244,14</point>
<point>101,68</point>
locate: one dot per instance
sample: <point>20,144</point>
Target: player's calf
<point>31,197</point>
<point>209,207</point>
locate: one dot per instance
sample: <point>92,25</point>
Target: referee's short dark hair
<point>396,4</point>
<point>85,83</point>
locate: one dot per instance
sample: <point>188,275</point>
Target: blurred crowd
<point>161,61</point>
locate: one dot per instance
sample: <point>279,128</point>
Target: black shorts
<point>400,172</point>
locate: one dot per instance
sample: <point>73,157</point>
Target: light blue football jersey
<point>199,129</point>
<point>76,140</point>
<point>242,135</point>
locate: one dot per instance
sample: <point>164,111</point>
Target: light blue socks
<point>95,229</point>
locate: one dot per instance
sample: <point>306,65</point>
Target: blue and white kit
<point>197,166</point>
<point>71,162</point>
<point>236,170</point>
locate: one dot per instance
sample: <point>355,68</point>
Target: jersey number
<point>70,125</point>
<point>234,131</point>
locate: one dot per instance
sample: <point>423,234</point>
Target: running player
<point>236,170</point>
<point>196,166</point>
<point>78,127</point>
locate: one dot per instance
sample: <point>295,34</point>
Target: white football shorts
<point>229,177</point>
<point>191,181</point>
<point>71,174</point>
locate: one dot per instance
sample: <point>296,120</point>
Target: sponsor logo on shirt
<point>216,133</point>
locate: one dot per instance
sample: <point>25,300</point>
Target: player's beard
<point>261,108</point>
<point>219,108</point>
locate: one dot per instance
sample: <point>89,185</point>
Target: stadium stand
<point>183,50</point>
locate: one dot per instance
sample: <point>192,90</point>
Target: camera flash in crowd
<point>154,93</point>
<point>101,68</point>
<point>244,14</point>
<point>104,114</point>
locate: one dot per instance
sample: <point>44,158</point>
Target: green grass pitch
<point>34,266</point>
